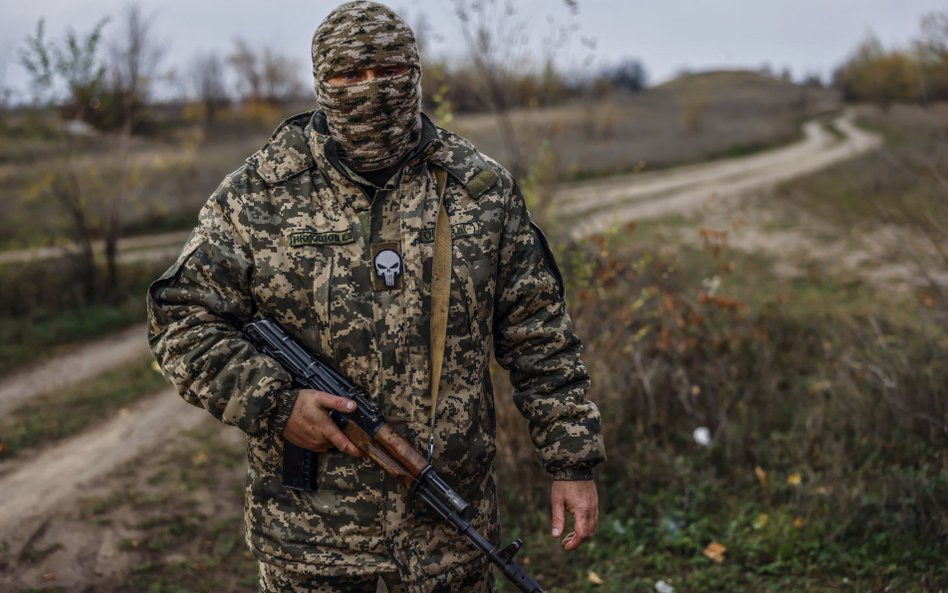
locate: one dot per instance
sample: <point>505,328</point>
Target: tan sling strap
<point>441,266</point>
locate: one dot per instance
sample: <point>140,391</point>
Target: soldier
<point>329,230</point>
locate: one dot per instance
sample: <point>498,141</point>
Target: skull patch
<point>388,266</point>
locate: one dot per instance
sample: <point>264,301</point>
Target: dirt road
<point>57,473</point>
<point>42,482</point>
<point>130,249</point>
<point>81,364</point>
<point>598,205</point>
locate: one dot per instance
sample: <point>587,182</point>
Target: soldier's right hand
<point>310,426</point>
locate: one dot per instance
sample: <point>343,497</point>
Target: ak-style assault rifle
<point>367,430</point>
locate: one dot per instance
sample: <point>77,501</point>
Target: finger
<point>558,512</point>
<point>572,541</point>
<point>581,522</point>
<point>582,531</point>
<point>334,402</point>
<point>343,443</point>
<point>593,519</point>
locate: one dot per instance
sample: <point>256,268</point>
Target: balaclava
<point>375,122</point>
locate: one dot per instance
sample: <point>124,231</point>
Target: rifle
<point>367,430</point>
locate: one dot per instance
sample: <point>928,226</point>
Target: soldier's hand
<point>582,501</point>
<point>310,426</point>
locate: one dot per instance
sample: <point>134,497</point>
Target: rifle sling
<point>440,296</point>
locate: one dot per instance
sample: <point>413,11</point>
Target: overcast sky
<point>808,36</point>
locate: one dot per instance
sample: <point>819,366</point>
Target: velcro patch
<point>462,229</point>
<point>483,181</point>
<point>304,238</point>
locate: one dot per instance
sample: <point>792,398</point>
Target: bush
<point>830,421</point>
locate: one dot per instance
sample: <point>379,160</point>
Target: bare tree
<point>135,61</point>
<point>495,42</point>
<point>75,64</point>
<point>280,76</point>
<point>264,75</point>
<point>931,48</point>
<point>498,41</point>
<point>206,74</point>
<point>5,91</point>
<point>245,63</point>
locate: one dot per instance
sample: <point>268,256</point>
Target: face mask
<point>374,122</point>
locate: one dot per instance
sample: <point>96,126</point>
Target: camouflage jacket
<point>291,235</point>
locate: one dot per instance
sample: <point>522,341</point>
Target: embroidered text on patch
<point>327,238</point>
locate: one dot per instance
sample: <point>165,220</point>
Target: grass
<point>52,417</point>
<point>902,184</point>
<point>825,398</point>
<point>737,113</point>
<point>25,340</point>
<point>172,177</point>
<point>812,482</point>
<point>42,308</point>
<point>831,389</point>
<point>834,131</point>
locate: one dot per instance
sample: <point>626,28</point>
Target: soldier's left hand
<point>582,501</point>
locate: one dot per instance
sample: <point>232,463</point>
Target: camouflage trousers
<point>275,579</point>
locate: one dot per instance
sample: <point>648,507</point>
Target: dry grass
<point>739,112</point>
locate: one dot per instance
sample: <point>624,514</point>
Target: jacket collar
<point>302,141</point>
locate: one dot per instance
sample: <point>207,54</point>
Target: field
<point>735,113</point>
<point>802,327</point>
<point>687,120</point>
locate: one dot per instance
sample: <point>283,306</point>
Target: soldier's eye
<point>351,75</point>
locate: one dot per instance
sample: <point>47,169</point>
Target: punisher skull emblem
<point>388,266</point>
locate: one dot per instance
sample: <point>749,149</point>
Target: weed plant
<point>824,466</point>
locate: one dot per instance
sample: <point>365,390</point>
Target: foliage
<point>43,306</point>
<point>827,423</point>
<point>917,73</point>
<point>75,62</point>
<point>628,75</point>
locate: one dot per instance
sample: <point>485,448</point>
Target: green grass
<point>821,376</point>
<point>42,308</point>
<point>51,417</point>
<point>24,340</point>
<point>863,516</point>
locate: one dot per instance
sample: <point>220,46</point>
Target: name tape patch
<point>305,238</point>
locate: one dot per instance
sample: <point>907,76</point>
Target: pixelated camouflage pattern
<point>505,293</point>
<point>376,122</point>
<point>276,579</point>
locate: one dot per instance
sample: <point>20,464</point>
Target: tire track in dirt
<point>74,367</point>
<point>57,474</point>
